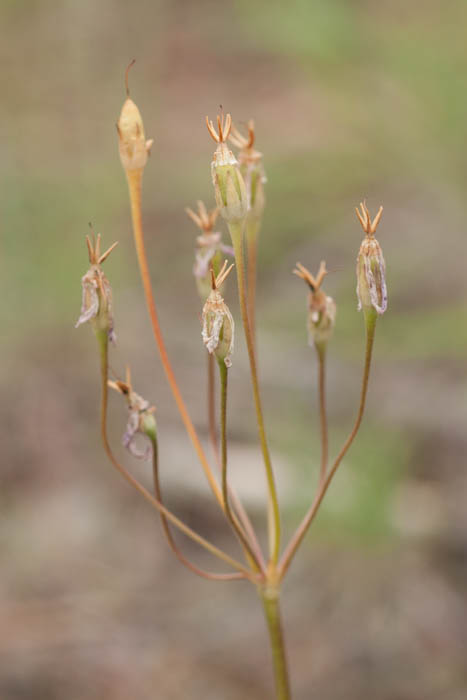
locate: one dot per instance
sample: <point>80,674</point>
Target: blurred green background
<point>351,99</point>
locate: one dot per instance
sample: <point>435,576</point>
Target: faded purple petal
<point>377,284</point>
<point>90,302</point>
<point>227,249</point>
<point>201,267</point>
<point>128,440</point>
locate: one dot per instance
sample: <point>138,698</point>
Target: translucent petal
<point>90,301</point>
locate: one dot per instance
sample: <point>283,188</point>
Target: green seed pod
<point>229,186</point>
<point>321,308</point>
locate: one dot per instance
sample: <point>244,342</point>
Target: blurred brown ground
<point>351,99</point>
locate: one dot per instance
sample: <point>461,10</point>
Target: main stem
<point>370,324</point>
<point>270,600</point>
<point>135,178</point>
<point>274,524</point>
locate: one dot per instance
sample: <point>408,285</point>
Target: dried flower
<point>371,268</point>
<point>133,147</point>
<point>218,324</point>
<point>251,166</point>
<point>229,186</point>
<point>210,248</point>
<point>96,303</point>
<point>321,308</point>
<point>141,420</point>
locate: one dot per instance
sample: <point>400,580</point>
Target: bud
<point>210,249</point>
<point>218,324</point>
<point>229,186</point>
<point>371,268</point>
<point>251,167</point>
<point>141,420</point>
<point>321,308</point>
<point>133,147</point>
<point>96,303</point>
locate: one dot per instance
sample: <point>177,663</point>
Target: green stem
<point>252,228</point>
<point>274,524</point>
<point>270,600</point>
<point>370,325</point>
<point>165,525</point>
<point>321,350</point>
<point>211,406</point>
<point>223,372</point>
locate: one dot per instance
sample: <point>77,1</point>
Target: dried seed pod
<point>96,305</point>
<point>321,308</point>
<point>371,268</point>
<point>251,166</point>
<point>133,146</point>
<point>229,186</point>
<point>210,248</point>
<point>141,419</point>
<point>218,324</point>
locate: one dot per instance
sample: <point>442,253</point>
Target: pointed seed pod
<point>210,249</point>
<point>218,324</point>
<point>321,308</point>
<point>229,186</point>
<point>141,419</point>
<point>96,305</point>
<point>251,167</point>
<point>133,147</point>
<point>371,268</point>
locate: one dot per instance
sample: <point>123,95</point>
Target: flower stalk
<point>131,136</point>
<point>232,200</point>
<point>274,521</point>
<point>321,321</point>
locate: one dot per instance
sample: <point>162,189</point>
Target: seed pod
<point>133,147</point>
<point>251,167</point>
<point>321,308</point>
<point>218,324</point>
<point>96,305</point>
<point>229,186</point>
<point>371,268</point>
<point>141,419</point>
<point>210,249</point>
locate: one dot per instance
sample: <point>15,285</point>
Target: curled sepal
<point>141,420</point>
<point>321,308</point>
<point>96,302</point>
<point>371,268</point>
<point>218,324</point>
<point>229,186</point>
